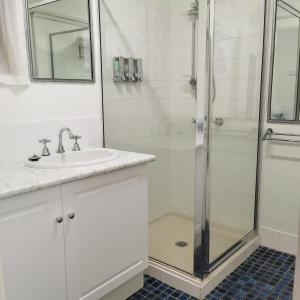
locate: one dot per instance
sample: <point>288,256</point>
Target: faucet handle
<point>45,151</point>
<point>76,137</point>
<point>44,141</point>
<point>76,146</point>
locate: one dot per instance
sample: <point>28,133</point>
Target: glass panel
<point>155,115</point>
<point>60,39</point>
<point>235,117</point>
<point>285,68</point>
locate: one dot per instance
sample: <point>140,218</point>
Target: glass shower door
<point>237,58</point>
<point>156,115</point>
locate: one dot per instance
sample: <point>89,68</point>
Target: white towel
<point>13,50</point>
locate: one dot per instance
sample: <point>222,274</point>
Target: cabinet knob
<point>59,219</point>
<point>71,216</point>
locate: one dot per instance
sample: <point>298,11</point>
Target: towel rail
<point>269,133</point>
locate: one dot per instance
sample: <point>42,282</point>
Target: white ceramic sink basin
<point>74,159</point>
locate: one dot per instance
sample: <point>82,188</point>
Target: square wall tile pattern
<point>266,275</point>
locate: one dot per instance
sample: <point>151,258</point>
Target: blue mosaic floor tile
<point>266,275</point>
<point>155,289</point>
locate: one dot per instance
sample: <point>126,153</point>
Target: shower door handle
<point>213,89</point>
<point>219,122</point>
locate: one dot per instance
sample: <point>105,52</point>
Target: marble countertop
<point>16,178</point>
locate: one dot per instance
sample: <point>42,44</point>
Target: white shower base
<point>171,228</point>
<point>166,231</point>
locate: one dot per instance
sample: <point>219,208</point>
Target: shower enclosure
<point>197,109</point>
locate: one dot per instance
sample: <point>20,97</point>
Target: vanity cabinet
<point>106,241</point>
<point>98,244</point>
<point>32,258</point>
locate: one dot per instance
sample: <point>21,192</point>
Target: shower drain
<point>181,244</point>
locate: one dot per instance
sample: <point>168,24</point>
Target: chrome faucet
<point>61,148</point>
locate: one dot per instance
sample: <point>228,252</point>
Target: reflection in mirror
<point>60,39</point>
<point>284,95</point>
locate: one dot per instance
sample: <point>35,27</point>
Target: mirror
<point>284,102</point>
<point>60,40</point>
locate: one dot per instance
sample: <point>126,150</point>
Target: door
<point>32,263</point>
<point>106,232</point>
<point>234,123</point>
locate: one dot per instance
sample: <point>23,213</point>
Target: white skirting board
<point>278,240</point>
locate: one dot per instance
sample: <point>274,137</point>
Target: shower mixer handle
<point>193,81</point>
<point>219,122</point>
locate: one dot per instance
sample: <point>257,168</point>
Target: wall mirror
<point>284,94</point>
<point>60,40</point>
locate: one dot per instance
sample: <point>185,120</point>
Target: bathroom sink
<point>74,159</point>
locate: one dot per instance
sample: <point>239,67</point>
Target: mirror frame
<point>269,56</point>
<point>30,55</point>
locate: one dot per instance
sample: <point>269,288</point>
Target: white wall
<point>39,110</point>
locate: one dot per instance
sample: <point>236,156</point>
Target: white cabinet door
<point>106,241</point>
<point>32,263</point>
